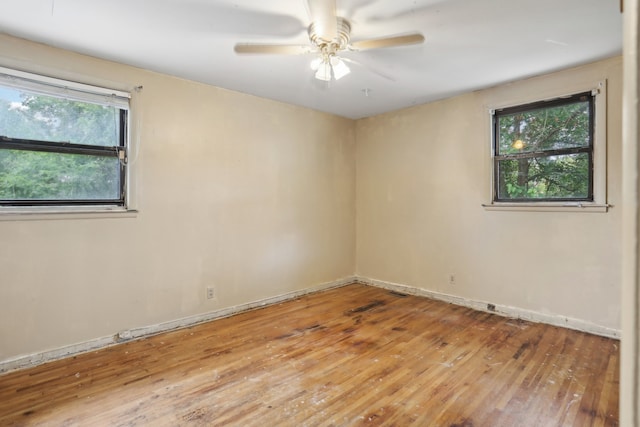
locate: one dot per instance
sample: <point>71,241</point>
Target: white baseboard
<point>137,333</point>
<point>145,331</point>
<point>503,310</point>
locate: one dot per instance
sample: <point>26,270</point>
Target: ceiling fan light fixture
<point>340,69</point>
<point>315,64</point>
<point>324,72</point>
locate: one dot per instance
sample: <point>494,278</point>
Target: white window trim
<point>80,92</point>
<point>599,204</point>
<point>71,90</point>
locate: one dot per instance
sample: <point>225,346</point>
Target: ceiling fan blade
<point>324,18</point>
<point>409,39</point>
<point>275,49</point>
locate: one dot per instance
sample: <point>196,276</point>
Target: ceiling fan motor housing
<point>339,42</point>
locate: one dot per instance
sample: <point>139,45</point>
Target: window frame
<point>49,86</point>
<point>539,105</point>
<point>522,97</point>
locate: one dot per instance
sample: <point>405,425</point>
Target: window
<point>544,151</point>
<point>61,143</point>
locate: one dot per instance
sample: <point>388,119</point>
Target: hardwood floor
<point>356,355</point>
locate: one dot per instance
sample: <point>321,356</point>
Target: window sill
<point>548,207</point>
<point>61,213</point>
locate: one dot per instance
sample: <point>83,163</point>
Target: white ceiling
<point>470,44</point>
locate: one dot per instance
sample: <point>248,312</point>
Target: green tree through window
<point>544,151</point>
<point>58,151</point>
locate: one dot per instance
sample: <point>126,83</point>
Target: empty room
<point>319,213</point>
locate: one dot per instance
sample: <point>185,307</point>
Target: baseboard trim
<point>35,359</point>
<point>503,310</point>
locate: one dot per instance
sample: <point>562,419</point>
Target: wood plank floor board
<point>355,355</point>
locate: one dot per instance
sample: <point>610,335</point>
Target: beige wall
<point>252,196</point>
<point>259,199</point>
<point>422,177</point>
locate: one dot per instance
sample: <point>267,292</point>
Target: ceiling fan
<point>329,35</point>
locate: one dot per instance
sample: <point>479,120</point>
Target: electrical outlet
<point>211,292</point>
<point>452,279</point>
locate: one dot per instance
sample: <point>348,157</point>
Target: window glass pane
<point>32,175</point>
<point>546,128</point>
<point>551,177</point>
<point>46,118</point>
